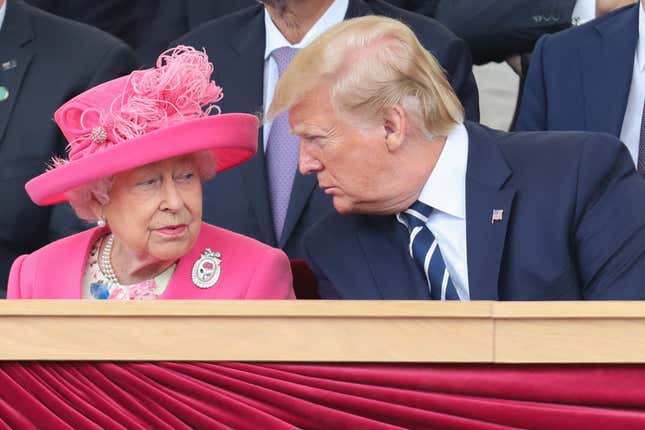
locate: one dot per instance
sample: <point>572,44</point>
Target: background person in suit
<point>430,207</point>
<point>44,61</point>
<point>148,26</point>
<point>591,77</point>
<point>243,45</point>
<point>497,29</point>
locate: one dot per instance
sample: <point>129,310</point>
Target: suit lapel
<point>385,242</point>
<point>610,61</point>
<point>486,175</point>
<point>300,193</point>
<point>16,54</point>
<point>254,176</point>
<point>249,46</point>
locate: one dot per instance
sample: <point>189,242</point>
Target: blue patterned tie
<point>425,251</point>
<point>282,154</point>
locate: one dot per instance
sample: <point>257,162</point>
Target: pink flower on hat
<point>144,117</point>
<point>175,90</point>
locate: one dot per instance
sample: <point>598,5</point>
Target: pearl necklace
<point>106,261</point>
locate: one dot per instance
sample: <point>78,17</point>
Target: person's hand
<point>606,6</point>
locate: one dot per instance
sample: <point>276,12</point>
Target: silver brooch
<point>98,135</point>
<point>207,269</point>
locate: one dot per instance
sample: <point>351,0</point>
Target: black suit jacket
<point>148,26</point>
<point>44,61</point>
<point>239,199</point>
<point>572,228</point>
<point>496,29</point>
<point>423,7</point>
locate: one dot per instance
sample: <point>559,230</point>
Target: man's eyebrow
<point>297,130</point>
<point>307,129</point>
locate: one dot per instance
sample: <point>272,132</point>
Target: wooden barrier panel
<point>324,331</point>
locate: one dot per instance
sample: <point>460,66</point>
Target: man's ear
<point>395,125</point>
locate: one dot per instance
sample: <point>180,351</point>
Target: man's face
<point>352,164</point>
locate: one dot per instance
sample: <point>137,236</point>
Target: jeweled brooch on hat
<point>98,135</point>
<point>207,269</point>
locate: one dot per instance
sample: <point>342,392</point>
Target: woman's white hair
<point>82,198</point>
<point>372,63</point>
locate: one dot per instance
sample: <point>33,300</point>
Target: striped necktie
<point>425,251</point>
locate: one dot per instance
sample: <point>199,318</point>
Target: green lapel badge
<point>4,93</point>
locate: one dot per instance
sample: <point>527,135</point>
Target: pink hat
<point>146,116</point>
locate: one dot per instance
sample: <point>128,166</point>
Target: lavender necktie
<point>281,153</point>
<point>640,163</point>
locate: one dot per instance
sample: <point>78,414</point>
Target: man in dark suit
<point>148,26</point>
<point>496,29</point>
<point>44,61</point>
<point>590,78</point>
<point>240,199</point>
<point>433,207</point>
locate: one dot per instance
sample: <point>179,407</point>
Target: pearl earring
<point>100,222</point>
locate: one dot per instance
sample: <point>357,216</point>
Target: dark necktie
<point>425,251</point>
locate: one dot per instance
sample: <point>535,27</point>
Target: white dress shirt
<point>275,39</point>
<point>583,11</point>
<point>631,130</point>
<point>445,191</point>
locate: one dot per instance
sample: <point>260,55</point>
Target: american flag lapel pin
<point>498,215</point>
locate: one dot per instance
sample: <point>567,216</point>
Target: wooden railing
<point>324,331</point>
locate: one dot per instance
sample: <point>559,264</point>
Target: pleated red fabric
<point>165,395</point>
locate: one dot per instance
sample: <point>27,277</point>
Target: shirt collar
<point>445,189</point>
<point>332,16</point>
<point>583,11</point>
<point>3,12</point>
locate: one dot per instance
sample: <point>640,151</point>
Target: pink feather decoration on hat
<point>179,88</point>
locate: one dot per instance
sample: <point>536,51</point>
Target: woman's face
<point>155,211</point>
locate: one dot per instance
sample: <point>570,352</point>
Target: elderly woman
<point>140,146</point>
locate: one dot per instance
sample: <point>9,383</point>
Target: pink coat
<point>249,269</point>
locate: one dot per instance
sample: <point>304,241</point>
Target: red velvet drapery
<point>286,396</point>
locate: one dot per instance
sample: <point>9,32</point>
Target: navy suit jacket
<point>573,226</point>
<point>496,29</point>
<point>46,60</point>
<point>579,79</point>
<point>239,199</point>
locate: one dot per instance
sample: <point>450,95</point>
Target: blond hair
<point>372,63</point>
